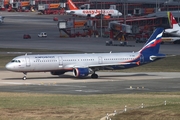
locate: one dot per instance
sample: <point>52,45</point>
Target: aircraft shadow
<point>140,75</point>
<point>73,78</point>
<point>41,78</point>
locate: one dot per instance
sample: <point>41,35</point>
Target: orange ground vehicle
<point>54,8</point>
<point>23,6</point>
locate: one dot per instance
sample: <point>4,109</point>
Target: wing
<point>117,64</point>
<point>104,16</point>
<point>107,16</point>
<point>101,65</point>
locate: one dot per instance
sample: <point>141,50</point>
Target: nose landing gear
<point>25,74</point>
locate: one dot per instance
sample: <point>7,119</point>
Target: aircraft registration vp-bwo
<point>107,13</point>
<point>175,28</point>
<point>82,65</point>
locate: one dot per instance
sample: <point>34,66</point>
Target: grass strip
<point>27,106</point>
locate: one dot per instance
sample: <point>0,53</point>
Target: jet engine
<point>81,72</point>
<point>89,15</point>
<point>59,72</point>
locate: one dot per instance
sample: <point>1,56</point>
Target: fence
<point>108,116</point>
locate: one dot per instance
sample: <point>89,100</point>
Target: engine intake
<point>81,72</point>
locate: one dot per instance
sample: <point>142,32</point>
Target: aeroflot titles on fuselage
<point>44,56</point>
<point>98,11</point>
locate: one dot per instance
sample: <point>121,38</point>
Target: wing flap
<point>101,65</point>
<point>119,64</point>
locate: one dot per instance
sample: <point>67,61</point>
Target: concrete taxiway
<point>107,83</point>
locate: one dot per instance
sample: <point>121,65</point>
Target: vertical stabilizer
<point>71,5</point>
<point>172,21</point>
<point>153,44</point>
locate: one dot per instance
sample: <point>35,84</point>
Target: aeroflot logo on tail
<point>98,11</point>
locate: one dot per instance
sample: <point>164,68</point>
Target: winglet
<point>71,5</point>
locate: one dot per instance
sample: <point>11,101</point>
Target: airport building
<point>141,15</point>
<point>129,4</point>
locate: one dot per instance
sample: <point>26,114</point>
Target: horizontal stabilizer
<point>155,57</point>
<point>175,31</point>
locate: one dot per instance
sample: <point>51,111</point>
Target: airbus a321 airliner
<point>82,65</point>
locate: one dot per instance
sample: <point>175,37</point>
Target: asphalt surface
<point>18,24</point>
<point>107,83</point>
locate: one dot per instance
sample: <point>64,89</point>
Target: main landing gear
<point>25,74</point>
<point>94,75</point>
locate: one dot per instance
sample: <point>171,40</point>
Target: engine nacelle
<point>59,72</point>
<point>81,72</point>
<point>88,15</point>
<point>107,16</point>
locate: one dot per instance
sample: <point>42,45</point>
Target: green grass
<point>161,112</point>
<point>85,107</point>
<point>27,106</point>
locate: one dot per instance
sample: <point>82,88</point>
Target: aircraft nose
<point>120,14</point>
<point>9,66</point>
<point>68,11</point>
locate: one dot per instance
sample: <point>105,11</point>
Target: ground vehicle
<point>26,36</point>
<point>53,8</point>
<point>117,43</point>
<point>42,34</point>
<point>21,6</point>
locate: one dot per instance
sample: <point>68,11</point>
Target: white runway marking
<point>15,83</point>
<point>72,86</point>
<point>87,91</point>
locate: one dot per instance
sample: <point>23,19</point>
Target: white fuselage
<point>50,62</point>
<point>95,12</point>
<point>173,32</point>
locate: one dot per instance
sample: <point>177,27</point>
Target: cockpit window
<point>72,12</point>
<point>17,61</point>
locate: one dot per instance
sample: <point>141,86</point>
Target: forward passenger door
<point>60,61</point>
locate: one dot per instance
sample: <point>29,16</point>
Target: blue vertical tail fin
<point>153,44</point>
